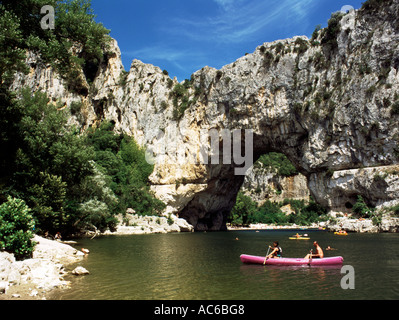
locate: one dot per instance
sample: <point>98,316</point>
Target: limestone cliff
<point>330,104</point>
<point>263,184</point>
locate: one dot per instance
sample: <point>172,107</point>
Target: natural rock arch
<point>311,102</point>
<point>330,104</point>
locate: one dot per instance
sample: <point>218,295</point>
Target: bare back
<point>319,251</point>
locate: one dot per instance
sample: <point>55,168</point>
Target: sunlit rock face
<point>331,105</point>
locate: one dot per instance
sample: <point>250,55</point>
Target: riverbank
<point>264,226</point>
<point>337,221</point>
<point>35,278</point>
<point>352,224</point>
<point>131,224</point>
<point>208,266</point>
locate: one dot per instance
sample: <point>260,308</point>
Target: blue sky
<point>183,36</point>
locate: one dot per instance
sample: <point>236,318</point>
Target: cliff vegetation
<point>69,178</point>
<point>72,141</point>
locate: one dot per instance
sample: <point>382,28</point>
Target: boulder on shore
<point>352,224</point>
<point>78,271</point>
<point>43,272</point>
<point>135,224</point>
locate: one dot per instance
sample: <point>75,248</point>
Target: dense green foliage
<point>278,162</point>
<point>70,180</point>
<point>362,209</point>
<point>16,228</point>
<point>51,162</point>
<point>331,32</point>
<point>75,30</point>
<point>242,212</point>
<point>124,163</point>
<point>181,98</point>
<point>246,212</point>
<point>368,212</point>
<point>12,54</point>
<point>20,30</point>
<point>75,181</point>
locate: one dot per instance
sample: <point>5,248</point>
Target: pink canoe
<point>291,261</point>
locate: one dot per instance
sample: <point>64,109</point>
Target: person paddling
<point>277,251</point>
<point>319,252</point>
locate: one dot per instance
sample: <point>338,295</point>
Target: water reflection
<point>295,281</point>
<point>207,266</point>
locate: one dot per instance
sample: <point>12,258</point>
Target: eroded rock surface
<point>329,103</point>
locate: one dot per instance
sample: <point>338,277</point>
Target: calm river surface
<point>202,266</point>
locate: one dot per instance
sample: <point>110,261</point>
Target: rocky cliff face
<point>263,184</point>
<point>331,104</point>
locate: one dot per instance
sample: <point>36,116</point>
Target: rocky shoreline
<point>131,223</point>
<point>350,224</point>
<point>33,279</point>
<point>347,223</point>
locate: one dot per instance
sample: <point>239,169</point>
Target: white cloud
<point>209,38</point>
<point>241,20</point>
<point>159,53</point>
<point>228,4</point>
<point>156,53</point>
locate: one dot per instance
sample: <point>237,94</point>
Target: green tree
<point>12,60</point>
<point>123,161</point>
<point>48,145</point>
<point>279,162</point>
<point>47,197</point>
<point>70,180</point>
<point>16,228</point>
<point>330,33</point>
<point>97,203</point>
<point>51,159</point>
<point>246,211</point>
<point>243,210</point>
<point>133,157</point>
<point>12,55</point>
<point>134,190</point>
<point>75,28</point>
<point>20,30</point>
<point>269,213</point>
<point>361,208</point>
<point>316,32</point>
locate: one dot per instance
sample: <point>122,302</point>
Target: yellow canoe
<point>341,233</point>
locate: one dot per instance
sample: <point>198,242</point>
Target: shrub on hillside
<point>361,208</point>
<point>16,228</point>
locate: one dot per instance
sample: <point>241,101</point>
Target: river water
<point>207,266</point>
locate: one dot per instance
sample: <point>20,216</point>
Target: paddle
<point>266,255</point>
<point>310,259</point>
